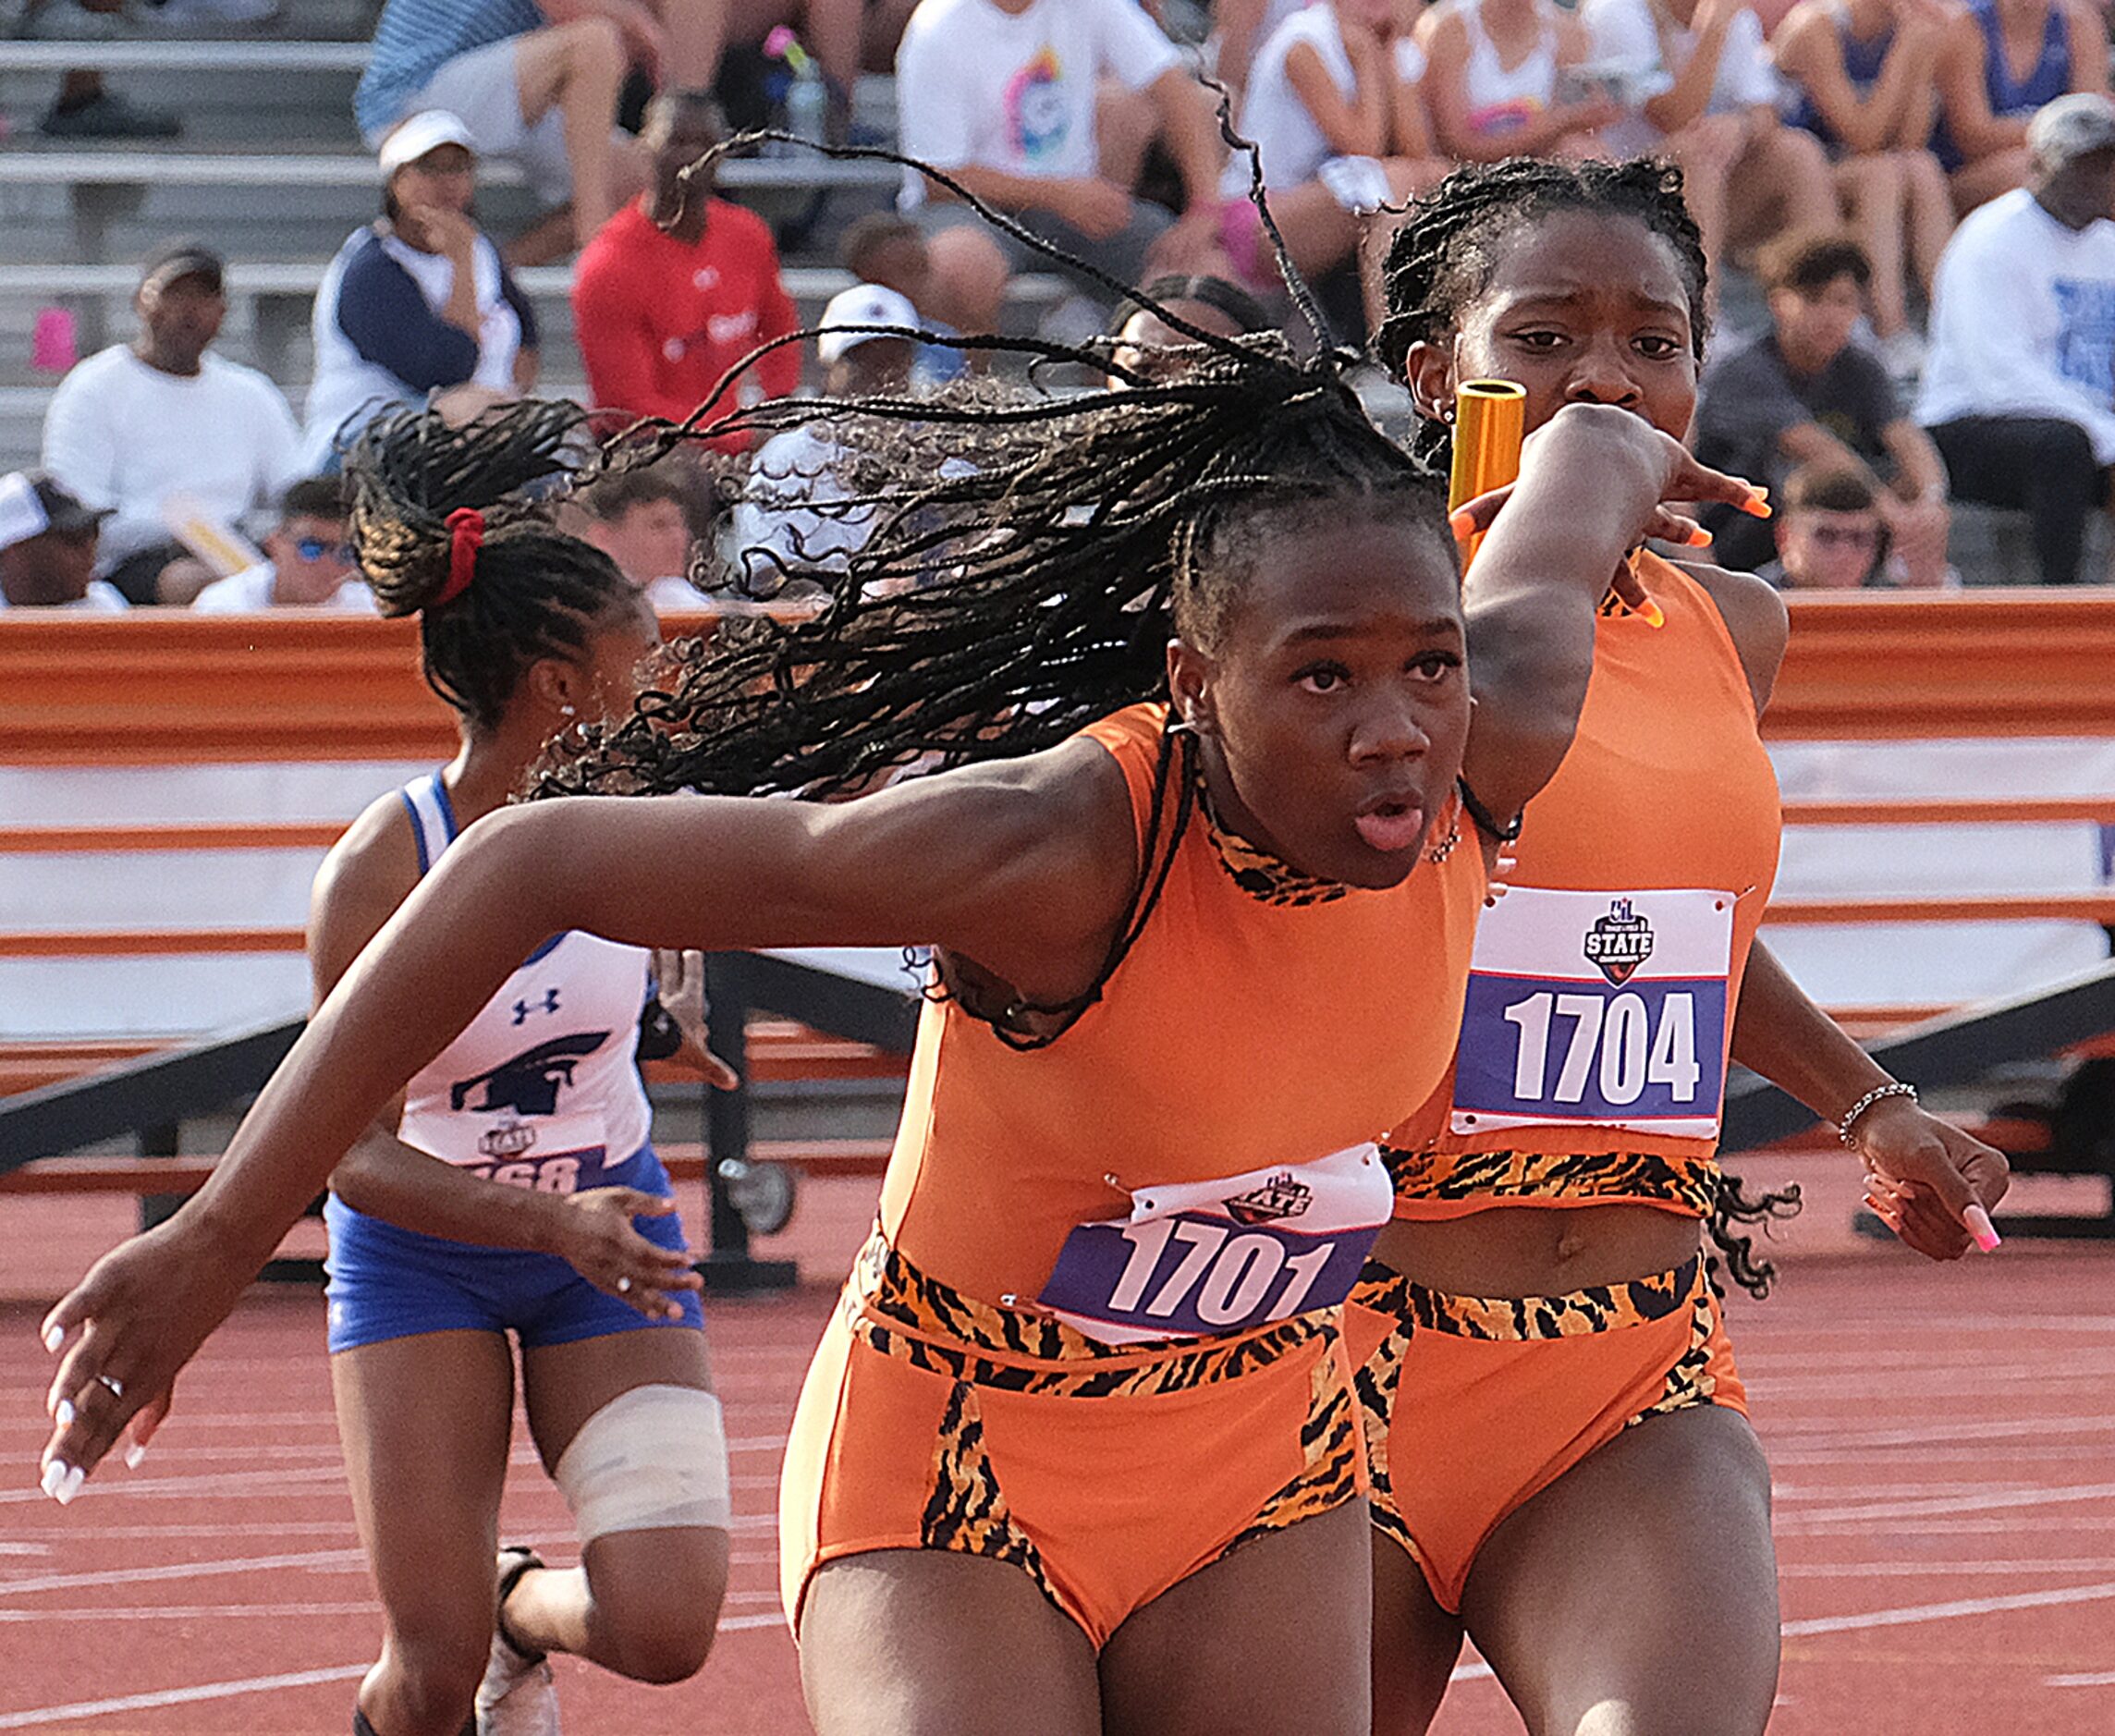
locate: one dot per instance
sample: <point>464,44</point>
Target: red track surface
<point>1943,1443</point>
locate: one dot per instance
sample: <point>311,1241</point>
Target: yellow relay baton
<point>1490,422</point>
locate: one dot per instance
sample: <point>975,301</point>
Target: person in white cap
<point>793,511</point>
<point>539,83</point>
<point>418,305</point>
<point>2018,388</point>
<point>47,548</point>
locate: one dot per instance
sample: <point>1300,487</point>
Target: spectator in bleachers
<point>1865,72</point>
<point>2019,390</point>
<point>308,563</point>
<point>538,85</point>
<point>162,424</point>
<point>418,305</point>
<point>1986,101</point>
<point>1497,83</point>
<point>47,548</point>
<point>793,510</point>
<point>1321,107</point>
<point>641,521</point>
<point>887,248</point>
<point>1140,340</point>
<point>1001,94</point>
<point>1696,80</point>
<point>1831,532</point>
<point>680,285</point>
<point>1807,392</point>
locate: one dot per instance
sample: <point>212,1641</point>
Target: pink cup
<point>54,346</point>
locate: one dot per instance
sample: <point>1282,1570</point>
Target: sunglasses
<point>317,547</point>
<point>1843,536</point>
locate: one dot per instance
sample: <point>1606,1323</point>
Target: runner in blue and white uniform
<point>545,1218</point>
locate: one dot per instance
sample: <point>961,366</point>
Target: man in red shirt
<point>679,286</point>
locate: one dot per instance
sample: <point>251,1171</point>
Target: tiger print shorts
<point>1473,1405</point>
<point>1106,1473</point>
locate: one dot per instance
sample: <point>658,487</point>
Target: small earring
<point>1447,412</point>
<point>566,710</point>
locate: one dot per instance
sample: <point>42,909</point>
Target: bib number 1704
<point>1611,1042</point>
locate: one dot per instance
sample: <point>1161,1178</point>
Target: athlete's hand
<point>142,1313</point>
<point>597,1239</point>
<point>1924,1174</point>
<point>681,979</point>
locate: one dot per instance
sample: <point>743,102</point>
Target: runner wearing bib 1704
<point>1560,1462</point>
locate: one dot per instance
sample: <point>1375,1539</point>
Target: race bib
<point>1592,1007</point>
<point>556,1172</point>
<point>1211,1257</point>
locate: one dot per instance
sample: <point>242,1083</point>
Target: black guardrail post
<point>729,1267</point>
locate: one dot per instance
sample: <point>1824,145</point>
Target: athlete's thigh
<point>1273,1640</point>
<point>1637,1594</point>
<point>562,1386</point>
<point>425,1421</point>
<point>1416,1643</point>
<point>924,1643</point>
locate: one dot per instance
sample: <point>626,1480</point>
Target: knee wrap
<point>650,1459</point>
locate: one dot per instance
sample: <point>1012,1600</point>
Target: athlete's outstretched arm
<point>1024,867</point>
<point>1928,1171</point>
<point>1591,483</point>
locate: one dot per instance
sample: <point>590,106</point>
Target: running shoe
<point>517,1696</point>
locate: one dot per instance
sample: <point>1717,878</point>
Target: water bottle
<point>807,104</point>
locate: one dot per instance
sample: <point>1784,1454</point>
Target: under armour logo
<point>524,1008</point>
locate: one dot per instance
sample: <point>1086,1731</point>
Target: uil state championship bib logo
<point>1618,942</point>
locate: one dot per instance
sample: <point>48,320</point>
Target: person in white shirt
<point>641,521</point>
<point>1696,80</point>
<point>1001,94</point>
<point>47,548</point>
<point>1323,110</point>
<point>309,564</point>
<point>417,307</point>
<point>793,515</point>
<point>2019,385</point>
<point>139,427</point>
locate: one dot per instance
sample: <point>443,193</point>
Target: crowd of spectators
<point>1830,148</point>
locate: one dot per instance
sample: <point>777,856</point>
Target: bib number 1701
<point>1225,1276</point>
<point>1611,1042</point>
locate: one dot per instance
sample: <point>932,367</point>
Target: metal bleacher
<point>270,169</point>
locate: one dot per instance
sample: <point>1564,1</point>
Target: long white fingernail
<point>55,1335</point>
<point>133,1455</point>
<point>54,1475</point>
<point>76,1476</point>
<point>62,1413</point>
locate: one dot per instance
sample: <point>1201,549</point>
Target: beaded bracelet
<point>1893,1088</point>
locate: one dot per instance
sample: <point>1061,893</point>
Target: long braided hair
<point>1029,558</point>
<point>1441,259</point>
<point>530,591</point>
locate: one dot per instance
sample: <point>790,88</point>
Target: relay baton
<point>1490,422</point>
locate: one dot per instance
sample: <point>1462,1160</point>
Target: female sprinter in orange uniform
<point>1079,1451</point>
<point>1561,1463</point>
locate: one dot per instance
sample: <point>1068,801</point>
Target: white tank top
<point>1503,100</point>
<point>1291,144</point>
<point>542,1088</point>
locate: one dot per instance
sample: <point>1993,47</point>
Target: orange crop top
<point>1243,1032</point>
<point>1598,1017</point>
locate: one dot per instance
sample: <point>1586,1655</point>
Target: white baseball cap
<point>2071,127</point>
<point>863,304</point>
<point>428,130</point>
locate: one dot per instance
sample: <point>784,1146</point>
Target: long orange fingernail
<point>1462,523</point>
<point>1698,537</point>
<point>1757,505</point>
<point>1650,613</point>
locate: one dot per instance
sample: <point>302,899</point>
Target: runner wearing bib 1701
<point>1078,1453</point>
<point>1556,1434</point>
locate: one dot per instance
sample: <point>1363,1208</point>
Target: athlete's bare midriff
<point>1537,1249</point>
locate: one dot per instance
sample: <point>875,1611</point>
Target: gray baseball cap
<point>2071,127</point>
